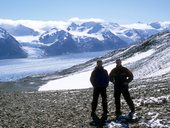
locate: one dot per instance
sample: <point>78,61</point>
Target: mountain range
<point>73,37</point>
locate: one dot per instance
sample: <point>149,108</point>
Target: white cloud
<point>39,25</point>
<point>78,20</point>
<point>36,24</point>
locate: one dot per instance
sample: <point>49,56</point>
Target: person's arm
<point>106,78</point>
<point>92,78</point>
<point>129,75</point>
<point>111,76</point>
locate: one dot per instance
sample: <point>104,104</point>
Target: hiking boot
<point>94,116</point>
<point>104,116</point>
<point>118,114</point>
<point>130,115</point>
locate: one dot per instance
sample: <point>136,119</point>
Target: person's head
<point>118,62</point>
<point>99,63</point>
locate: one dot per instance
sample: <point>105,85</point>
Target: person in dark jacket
<point>100,80</point>
<point>120,76</point>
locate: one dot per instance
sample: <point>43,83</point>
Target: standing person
<point>100,80</point>
<point>121,77</point>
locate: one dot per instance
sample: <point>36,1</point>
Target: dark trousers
<point>96,93</point>
<point>126,95</point>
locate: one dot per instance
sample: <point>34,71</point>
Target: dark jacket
<point>120,76</point>
<point>99,78</point>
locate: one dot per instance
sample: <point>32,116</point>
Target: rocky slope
<point>71,109</point>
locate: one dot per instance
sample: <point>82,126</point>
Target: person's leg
<point>94,101</point>
<point>104,100</point>
<point>128,99</point>
<point>117,94</point>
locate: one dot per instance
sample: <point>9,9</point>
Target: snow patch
<point>74,81</point>
<point>159,72</point>
<point>114,125</point>
<point>139,56</point>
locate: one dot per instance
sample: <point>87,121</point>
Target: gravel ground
<point>71,108</point>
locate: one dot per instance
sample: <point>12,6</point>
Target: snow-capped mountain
<point>97,36</point>
<point>53,36</point>
<point>61,41</point>
<point>90,35</point>
<point>160,25</point>
<point>9,47</point>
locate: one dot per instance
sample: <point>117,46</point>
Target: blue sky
<point>119,11</point>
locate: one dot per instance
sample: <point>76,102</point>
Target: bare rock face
<point>71,108</point>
